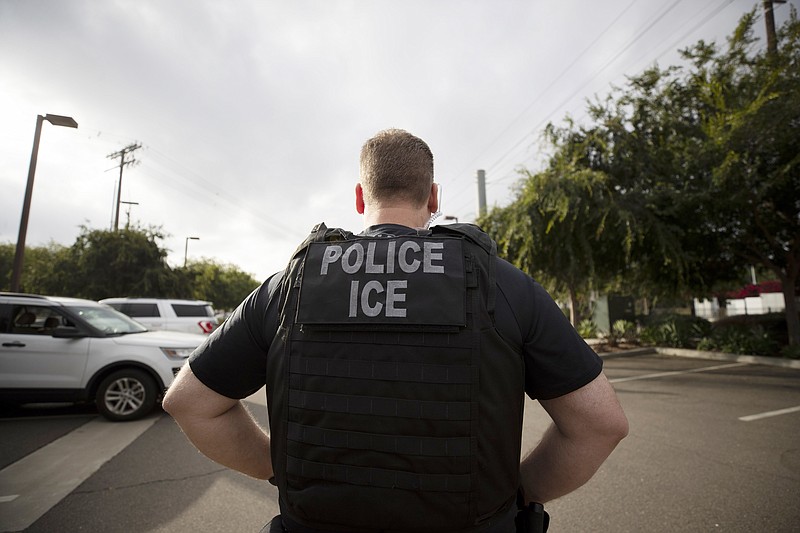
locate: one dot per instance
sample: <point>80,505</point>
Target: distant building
<point>758,299</point>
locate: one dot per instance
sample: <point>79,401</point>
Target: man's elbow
<point>608,420</point>
<point>622,427</point>
<point>172,402</point>
<point>189,400</point>
<point>177,398</point>
<point>607,428</point>
<point>616,427</point>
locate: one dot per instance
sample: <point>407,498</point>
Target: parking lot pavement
<point>713,446</point>
<point>35,483</point>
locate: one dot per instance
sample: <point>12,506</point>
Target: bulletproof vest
<point>394,403</point>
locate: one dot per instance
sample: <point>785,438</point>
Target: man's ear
<point>433,199</point>
<point>359,199</point>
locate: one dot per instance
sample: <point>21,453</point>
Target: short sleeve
<point>233,360</point>
<point>557,360</point>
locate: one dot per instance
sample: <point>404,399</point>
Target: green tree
<point>224,285</point>
<point>6,264</point>
<point>48,269</point>
<point>128,262</point>
<point>648,138</point>
<point>753,125</point>
<point>44,270</point>
<point>687,174</point>
<point>556,230</point>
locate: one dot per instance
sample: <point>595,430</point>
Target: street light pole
<point>186,249</point>
<point>19,254</point>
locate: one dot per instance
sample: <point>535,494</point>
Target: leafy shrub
<point>587,329</point>
<point>773,324</point>
<point>791,351</point>
<point>753,340</point>
<point>621,329</point>
<point>742,334</point>
<point>675,331</point>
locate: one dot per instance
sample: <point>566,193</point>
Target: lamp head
<point>60,120</point>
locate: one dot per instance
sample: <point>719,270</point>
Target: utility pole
<point>769,20</point>
<point>481,192</point>
<point>128,212</point>
<point>122,162</point>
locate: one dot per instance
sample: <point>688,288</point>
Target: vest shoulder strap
<point>322,233</point>
<point>471,232</point>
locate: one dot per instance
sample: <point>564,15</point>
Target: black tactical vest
<point>394,403</point>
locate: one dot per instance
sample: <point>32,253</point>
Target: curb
<point>702,354</point>
<point>629,353</point>
<point>721,356</point>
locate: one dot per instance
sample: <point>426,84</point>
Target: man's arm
<point>220,427</point>
<point>587,425</point>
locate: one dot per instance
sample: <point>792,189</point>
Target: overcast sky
<point>251,114</point>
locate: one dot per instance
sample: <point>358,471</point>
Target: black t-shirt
<point>232,361</point>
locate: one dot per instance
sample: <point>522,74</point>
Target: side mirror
<point>68,332</point>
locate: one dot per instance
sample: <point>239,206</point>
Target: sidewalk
<point>698,354</point>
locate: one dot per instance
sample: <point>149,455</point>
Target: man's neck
<point>412,218</point>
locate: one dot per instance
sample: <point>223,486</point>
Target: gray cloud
<point>251,114</point>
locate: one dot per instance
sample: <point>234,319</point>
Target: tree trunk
<point>789,284</point>
<point>573,307</point>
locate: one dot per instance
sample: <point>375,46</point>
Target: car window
<point>36,319</point>
<point>193,310</point>
<point>107,320</point>
<point>140,309</point>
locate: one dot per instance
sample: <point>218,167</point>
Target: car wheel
<point>126,395</point>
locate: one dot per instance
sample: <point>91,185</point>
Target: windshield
<point>108,320</point>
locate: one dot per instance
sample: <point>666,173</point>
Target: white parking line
<point>676,372</point>
<point>35,483</point>
<point>759,416</point>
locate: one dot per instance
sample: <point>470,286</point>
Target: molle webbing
<point>377,406</point>
<point>379,478</point>
<point>430,446</point>
<point>414,372</point>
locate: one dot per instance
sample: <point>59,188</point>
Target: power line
<point>235,203</point>
<point>549,86</point>
<point>616,56</point>
<point>595,75</point>
<point>209,193</point>
<point>715,12</point>
<point>630,43</point>
<point>667,49</point>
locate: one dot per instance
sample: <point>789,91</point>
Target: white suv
<point>69,350</point>
<point>192,316</point>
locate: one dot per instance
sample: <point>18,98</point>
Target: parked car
<point>192,316</point>
<point>55,349</point>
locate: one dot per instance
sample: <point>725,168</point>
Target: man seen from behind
<point>396,362</point>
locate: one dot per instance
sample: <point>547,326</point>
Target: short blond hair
<point>396,166</point>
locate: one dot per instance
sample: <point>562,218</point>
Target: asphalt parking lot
<point>713,446</point>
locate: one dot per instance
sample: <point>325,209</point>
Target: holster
<point>274,526</point>
<point>531,518</point>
